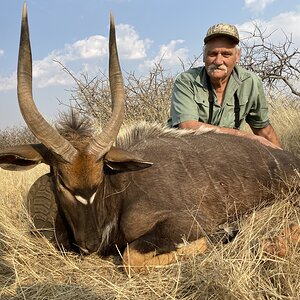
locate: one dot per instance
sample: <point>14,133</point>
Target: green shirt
<point>190,99</point>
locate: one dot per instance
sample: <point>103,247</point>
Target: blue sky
<point>75,32</point>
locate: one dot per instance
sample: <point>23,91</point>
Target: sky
<point>75,32</point>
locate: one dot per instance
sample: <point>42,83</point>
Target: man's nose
<point>219,60</point>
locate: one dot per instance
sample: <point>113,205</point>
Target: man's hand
<point>263,141</point>
<point>268,133</point>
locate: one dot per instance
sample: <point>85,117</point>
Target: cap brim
<point>212,36</point>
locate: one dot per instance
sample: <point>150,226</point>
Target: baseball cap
<point>222,29</point>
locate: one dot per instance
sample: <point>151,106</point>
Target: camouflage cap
<point>222,29</point>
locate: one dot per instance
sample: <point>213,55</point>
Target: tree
<point>278,65</point>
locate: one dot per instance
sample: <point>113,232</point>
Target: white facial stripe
<point>92,198</point>
<point>84,201</point>
<point>81,199</point>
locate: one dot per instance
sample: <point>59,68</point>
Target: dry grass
<point>31,268</point>
<point>286,121</point>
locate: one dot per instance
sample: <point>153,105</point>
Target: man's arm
<point>259,135</point>
<point>268,133</point>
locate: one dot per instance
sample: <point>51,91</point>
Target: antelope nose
<point>92,246</point>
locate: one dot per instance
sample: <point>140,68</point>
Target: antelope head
<point>77,167</point>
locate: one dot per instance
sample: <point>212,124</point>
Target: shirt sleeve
<point>183,106</point>
<point>258,116</point>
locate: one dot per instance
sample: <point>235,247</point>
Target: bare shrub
<point>15,136</point>
<point>277,64</point>
<point>147,97</point>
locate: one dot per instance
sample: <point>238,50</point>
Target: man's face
<point>220,57</point>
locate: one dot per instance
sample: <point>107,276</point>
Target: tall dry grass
<point>285,117</point>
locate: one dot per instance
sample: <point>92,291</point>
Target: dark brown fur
<point>197,182</point>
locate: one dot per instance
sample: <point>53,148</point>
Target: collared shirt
<point>190,99</point>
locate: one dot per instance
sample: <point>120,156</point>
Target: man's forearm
<point>257,136</point>
<point>197,125</point>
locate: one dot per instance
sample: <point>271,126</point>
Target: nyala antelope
<point>149,192</point>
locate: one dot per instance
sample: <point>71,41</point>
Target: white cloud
<point>8,83</point>
<point>91,47</point>
<point>257,5</point>
<point>130,46</point>
<point>283,24</point>
<point>47,72</point>
<point>1,52</point>
<point>290,23</point>
<point>81,56</point>
<point>169,55</point>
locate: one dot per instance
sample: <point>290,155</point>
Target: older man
<point>222,95</point>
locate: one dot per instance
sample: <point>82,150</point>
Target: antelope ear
<point>23,157</point>
<point>121,160</point>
